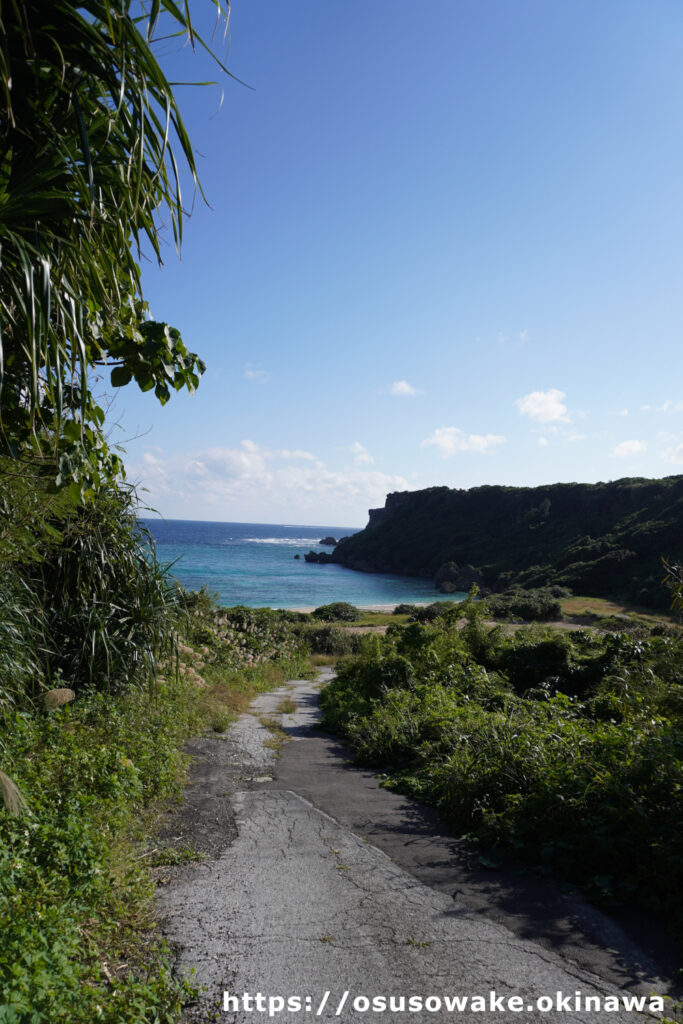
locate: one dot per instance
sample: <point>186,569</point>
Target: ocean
<point>254,564</point>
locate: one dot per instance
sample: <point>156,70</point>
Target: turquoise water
<point>254,564</point>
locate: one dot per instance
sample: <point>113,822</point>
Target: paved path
<point>297,898</point>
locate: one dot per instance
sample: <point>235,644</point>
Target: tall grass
<point>84,602</point>
<point>110,602</point>
<point>22,635</point>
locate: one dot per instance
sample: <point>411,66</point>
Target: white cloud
<point>669,407</point>
<point>674,455</point>
<point>544,406</point>
<point>626,449</point>
<point>253,483</point>
<point>543,441</point>
<point>621,412</point>
<point>521,337</point>
<point>361,456</point>
<point>296,453</point>
<point>403,389</point>
<point>451,440</point>
<point>255,375</point>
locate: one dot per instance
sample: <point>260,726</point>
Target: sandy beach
<point>369,607</point>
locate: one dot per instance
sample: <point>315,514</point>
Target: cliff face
<point>599,539</point>
<point>393,502</point>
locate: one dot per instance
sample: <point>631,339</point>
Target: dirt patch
<point>204,819</point>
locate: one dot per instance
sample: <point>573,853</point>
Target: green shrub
<point>561,749</point>
<point>338,611</point>
<point>330,639</point>
<point>435,610</point>
<point>242,637</point>
<point>87,771</point>
<point>406,609</point>
<point>535,605</point>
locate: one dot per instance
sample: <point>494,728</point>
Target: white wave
<point>292,541</point>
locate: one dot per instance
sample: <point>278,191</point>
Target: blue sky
<point>444,246</point>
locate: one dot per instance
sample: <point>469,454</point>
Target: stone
<point>318,556</point>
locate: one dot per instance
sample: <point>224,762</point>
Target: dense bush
<point>563,749</point>
<point>338,611</point>
<point>110,602</point>
<point>406,609</point>
<point>330,639</point>
<point>534,605</point>
<point>239,636</point>
<point>435,610</point>
<point>87,772</point>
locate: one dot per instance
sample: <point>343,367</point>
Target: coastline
<point>370,607</point>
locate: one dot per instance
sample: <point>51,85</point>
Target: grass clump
<point>170,856</point>
<point>278,736</point>
<point>83,601</point>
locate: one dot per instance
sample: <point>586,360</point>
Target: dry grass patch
<point>229,692</point>
<point>322,660</point>
<point>601,607</point>
<point>369,618</point>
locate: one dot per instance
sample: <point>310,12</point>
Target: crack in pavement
<point>294,902</point>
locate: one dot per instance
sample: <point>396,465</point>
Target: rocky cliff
<point>605,539</point>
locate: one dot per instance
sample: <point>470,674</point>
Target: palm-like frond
<point>91,139</point>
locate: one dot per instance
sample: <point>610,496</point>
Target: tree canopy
<point>93,150</point>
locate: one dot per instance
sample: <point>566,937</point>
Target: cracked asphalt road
<point>317,880</point>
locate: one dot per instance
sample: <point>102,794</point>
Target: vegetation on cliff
<point>605,539</point>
